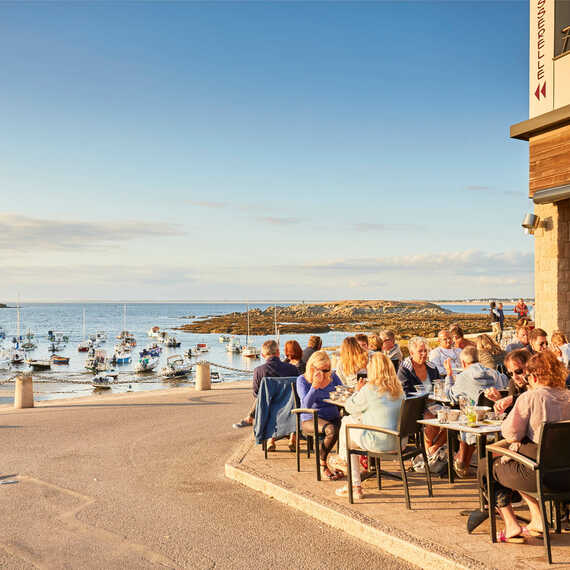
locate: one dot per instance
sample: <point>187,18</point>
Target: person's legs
<point>330,431</point>
<point>536,517</point>
<point>434,437</point>
<point>247,420</point>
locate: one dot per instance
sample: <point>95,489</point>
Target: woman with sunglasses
<point>515,363</point>
<point>313,387</point>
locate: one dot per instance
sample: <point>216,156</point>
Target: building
<point>548,133</point>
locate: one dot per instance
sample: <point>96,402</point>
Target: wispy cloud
<point>491,189</point>
<point>278,221</point>
<point>23,233</point>
<point>368,227</point>
<point>213,205</point>
<point>476,188</point>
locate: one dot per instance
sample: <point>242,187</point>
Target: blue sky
<point>256,150</point>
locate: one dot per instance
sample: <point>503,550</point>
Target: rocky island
<point>406,318</point>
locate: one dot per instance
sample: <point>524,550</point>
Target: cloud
<point>23,233</point>
<point>213,205</point>
<point>368,227</point>
<point>477,188</point>
<point>517,193</point>
<point>278,221</point>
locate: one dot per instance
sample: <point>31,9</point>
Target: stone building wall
<point>552,266</point>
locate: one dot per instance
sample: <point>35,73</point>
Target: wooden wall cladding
<point>549,161</point>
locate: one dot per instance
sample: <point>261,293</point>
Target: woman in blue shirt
<point>313,387</point>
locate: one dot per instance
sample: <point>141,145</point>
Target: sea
<point>73,380</point>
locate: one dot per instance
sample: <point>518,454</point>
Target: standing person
<point>521,309</point>
<point>491,355</point>
<point>272,368</point>
<point>391,348</point>
<point>294,355</point>
<point>495,321</point>
<point>501,321</point>
<point>353,359</point>
<point>314,343</point>
<point>376,402</point>
<point>313,388</point>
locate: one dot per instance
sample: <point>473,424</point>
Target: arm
<point>357,403</point>
<point>257,376</point>
<point>515,427</point>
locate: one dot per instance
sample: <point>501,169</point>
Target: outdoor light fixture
<point>530,223</point>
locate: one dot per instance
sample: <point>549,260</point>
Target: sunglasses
<point>323,370</point>
<point>518,372</point>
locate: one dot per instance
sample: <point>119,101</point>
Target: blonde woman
<point>313,387</point>
<point>490,353</point>
<point>559,345</point>
<point>353,359</point>
<point>376,402</point>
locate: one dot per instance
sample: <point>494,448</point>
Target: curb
<point>396,542</point>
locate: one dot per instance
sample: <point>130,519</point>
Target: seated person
<point>362,340</point>
<point>376,402</point>
<point>559,345</point>
<point>374,344</point>
<point>458,337</point>
<point>521,332</point>
<point>313,387</point>
<point>444,351</point>
<point>515,363</point>
<point>417,374</point>
<point>294,355</point>
<point>353,358</point>
<point>491,354</point>
<point>546,400</point>
<point>538,340</point>
<point>313,344</point>
<point>391,348</point>
<point>271,368</point>
<point>470,383</point>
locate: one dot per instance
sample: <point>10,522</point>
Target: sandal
<point>518,539</point>
<point>357,492</point>
<point>326,472</point>
<point>271,445</point>
<point>531,532</point>
<point>292,443</point>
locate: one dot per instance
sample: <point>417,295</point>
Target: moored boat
<point>233,345</point>
<point>56,359</point>
<point>97,361</point>
<point>224,338</point>
<point>176,365</point>
<point>147,364</point>
<point>39,365</point>
<point>105,380</point>
<point>154,332</point>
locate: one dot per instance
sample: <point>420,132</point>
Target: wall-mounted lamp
<point>530,223</point>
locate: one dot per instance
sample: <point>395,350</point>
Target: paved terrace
<point>137,481</point>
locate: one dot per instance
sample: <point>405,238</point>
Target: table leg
<point>450,442</point>
<point>481,451</point>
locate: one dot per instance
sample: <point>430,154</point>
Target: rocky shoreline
<point>406,318</point>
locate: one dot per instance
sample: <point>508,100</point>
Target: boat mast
<point>247,343</point>
<point>18,320</point>
<point>275,321</point>
<point>125,317</point>
<point>84,333</point>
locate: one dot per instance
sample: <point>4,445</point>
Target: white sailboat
<point>249,350</point>
<point>17,355</point>
<point>85,344</point>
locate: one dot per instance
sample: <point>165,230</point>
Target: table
<point>453,428</point>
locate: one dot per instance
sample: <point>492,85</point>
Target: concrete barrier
<point>203,376</point>
<point>24,392</point>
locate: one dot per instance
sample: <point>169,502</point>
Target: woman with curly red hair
<point>546,400</point>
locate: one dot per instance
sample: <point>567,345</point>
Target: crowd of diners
<point>533,372</point>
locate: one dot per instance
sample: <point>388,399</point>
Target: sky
<point>211,151</point>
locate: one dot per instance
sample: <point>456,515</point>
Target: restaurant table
<point>481,431</point>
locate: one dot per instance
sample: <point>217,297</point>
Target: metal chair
<point>552,469</point>
<point>411,411</point>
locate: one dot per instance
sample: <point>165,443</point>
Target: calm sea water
<point>140,317</point>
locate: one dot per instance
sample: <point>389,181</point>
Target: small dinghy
<point>176,365</point>
<point>105,380</point>
<point>146,364</point>
<point>39,365</point>
<point>59,359</point>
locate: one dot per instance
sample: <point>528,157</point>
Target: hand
<point>515,446</point>
<point>493,394</point>
<point>502,404</point>
<point>361,382</point>
<point>447,366</point>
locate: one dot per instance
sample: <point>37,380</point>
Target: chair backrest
<point>275,400</point>
<point>411,411</point>
<point>553,449</point>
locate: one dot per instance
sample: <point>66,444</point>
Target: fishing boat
<point>17,356</point>
<point>54,347</point>
<point>172,342</point>
<point>58,337</point>
<point>28,341</point>
<point>153,332</point>
<point>176,365</point>
<point>151,350</point>
<point>56,359</point>
<point>85,345</point>
<point>105,380</point>
<point>201,347</point>
<point>249,350</point>
<point>97,361</point>
<point>147,364</point>
<point>101,336</point>
<point>121,357</point>
<point>2,334</point>
<point>233,345</point>
<point>39,365</point>
<point>224,338</point>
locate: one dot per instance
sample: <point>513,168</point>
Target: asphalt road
<point>137,481</point>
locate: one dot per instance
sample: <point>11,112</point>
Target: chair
<point>411,411</point>
<point>312,439</point>
<point>552,466</point>
<point>273,417</point>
